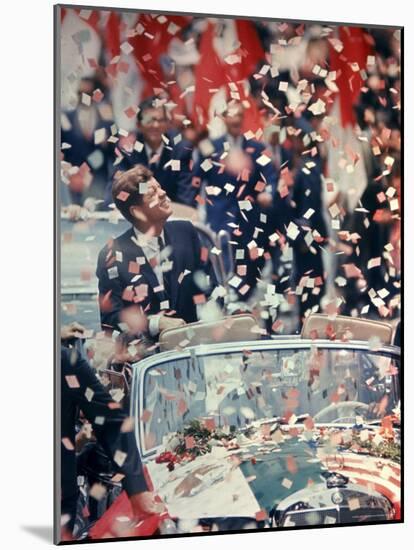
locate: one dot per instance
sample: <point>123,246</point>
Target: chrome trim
<point>79,290</point>
<point>257,345</point>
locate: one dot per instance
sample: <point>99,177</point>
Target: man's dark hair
<point>125,188</point>
<point>153,102</point>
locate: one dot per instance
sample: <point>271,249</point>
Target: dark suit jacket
<point>119,292</point>
<point>80,151</point>
<point>225,202</point>
<point>176,183</point>
<point>307,193</point>
<point>76,377</point>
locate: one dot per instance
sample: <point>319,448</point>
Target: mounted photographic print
<point>228,274</point>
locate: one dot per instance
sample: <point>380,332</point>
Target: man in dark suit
<point>81,389</point>
<point>167,156</point>
<point>154,275</point>
<point>85,132</point>
<point>241,197</point>
<point>307,232</point>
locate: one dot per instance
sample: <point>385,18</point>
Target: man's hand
<point>74,330</point>
<point>143,504</point>
<point>170,322</point>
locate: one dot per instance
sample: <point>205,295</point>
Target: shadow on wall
<point>44,533</point>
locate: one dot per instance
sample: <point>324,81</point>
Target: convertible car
<point>285,432</point>
<point>237,432</point>
<point>81,242</point>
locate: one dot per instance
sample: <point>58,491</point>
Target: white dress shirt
<point>151,250</point>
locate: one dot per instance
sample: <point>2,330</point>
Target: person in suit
<point>241,197</point>
<point>82,390</point>
<point>152,276</point>
<point>281,151</point>
<point>312,234</point>
<point>84,149</point>
<point>167,155</point>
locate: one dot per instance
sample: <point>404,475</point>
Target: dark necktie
<point>165,274</point>
<point>153,161</point>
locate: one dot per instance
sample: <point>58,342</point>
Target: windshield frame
<point>205,350</point>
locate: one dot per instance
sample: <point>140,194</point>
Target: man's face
<point>153,125</point>
<point>234,119</point>
<point>155,206</point>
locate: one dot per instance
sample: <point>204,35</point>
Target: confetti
<point>287,483</point>
<point>263,160</point>
<point>374,262</point>
<point>334,210</point>
<point>138,146</point>
<point>120,457</point>
<point>352,271</point>
<point>67,443</point>
<point>206,165</point>
<point>126,48</point>
<point>72,381</point>
<point>245,205</point>
<point>99,136</point>
<point>309,213</point>
<point>89,393</point>
<point>394,205</point>
<point>97,95</point>
<point>292,231</point>
<point>86,99</point>
<point>172,28</point>
<point>318,108</point>
<point>113,272</point>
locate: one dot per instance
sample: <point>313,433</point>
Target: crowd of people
<point>299,163</point>
<point>285,185</point>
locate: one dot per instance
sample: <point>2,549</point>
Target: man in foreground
<point>81,390</point>
<point>155,275</point>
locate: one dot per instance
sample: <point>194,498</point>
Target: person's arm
<point>111,290</point>
<point>110,424</point>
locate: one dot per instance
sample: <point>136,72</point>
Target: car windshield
<point>235,389</point>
